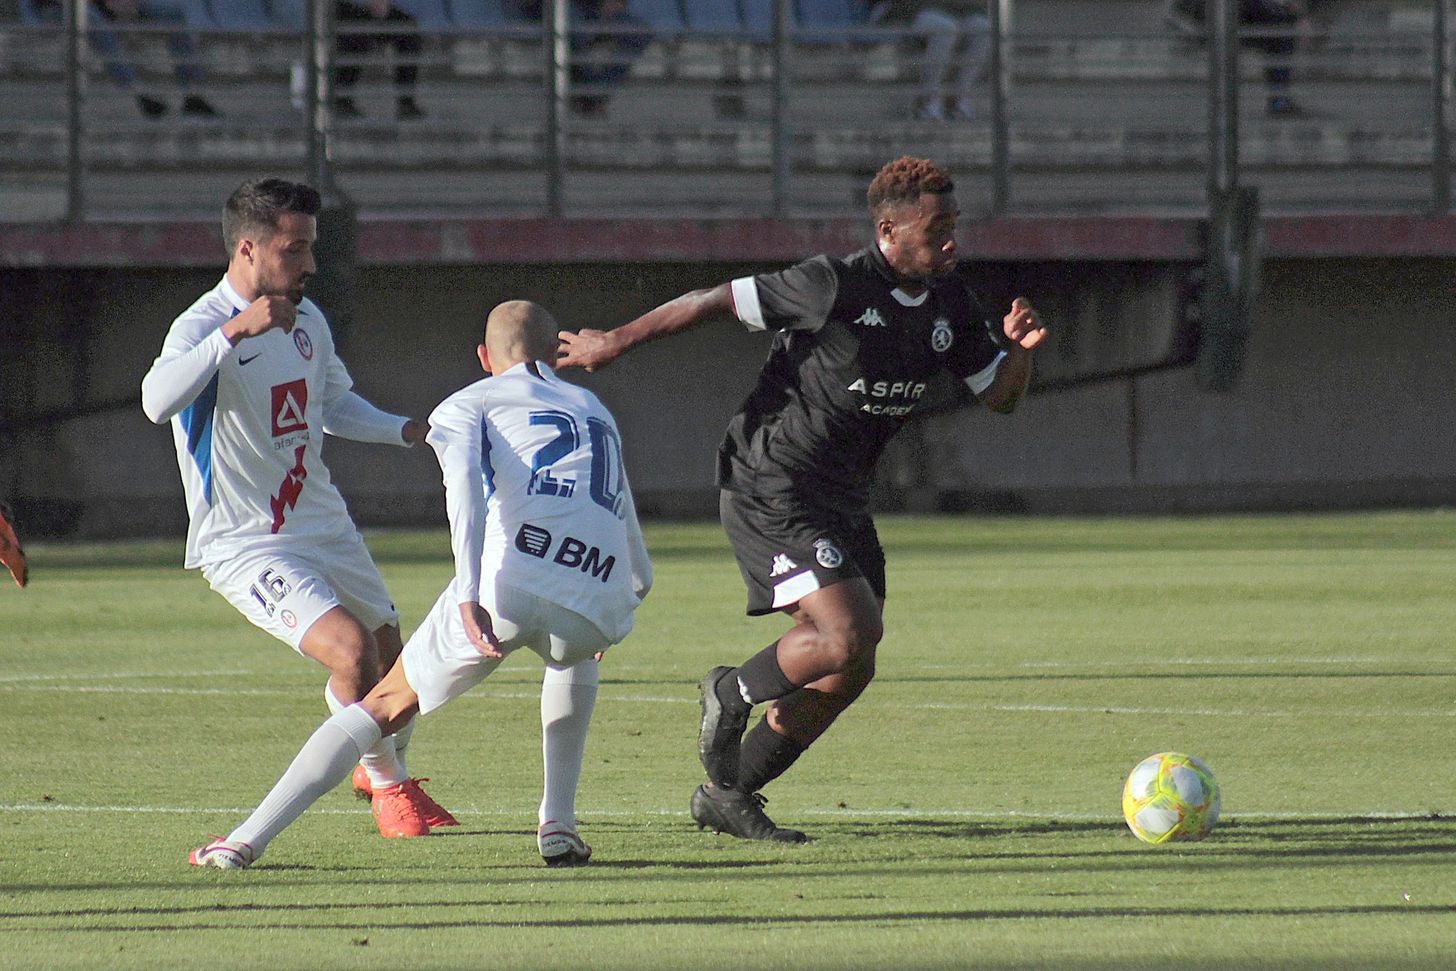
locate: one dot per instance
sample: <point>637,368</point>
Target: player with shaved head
<point>548,556</point>
<point>856,341</point>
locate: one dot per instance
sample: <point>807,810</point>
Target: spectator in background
<point>944,25</point>
<point>1284,19</point>
<point>353,42</point>
<point>106,42</point>
<point>598,59</point>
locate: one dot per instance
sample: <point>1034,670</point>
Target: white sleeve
<point>982,379</point>
<point>350,416</point>
<point>190,357</point>
<point>346,414</point>
<point>636,546</point>
<point>456,435</point>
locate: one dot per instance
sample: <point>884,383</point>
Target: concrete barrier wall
<point>1345,399</point>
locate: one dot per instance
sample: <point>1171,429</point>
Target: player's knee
<point>852,646</point>
<point>348,653</point>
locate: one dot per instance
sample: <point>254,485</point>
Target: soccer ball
<point>1170,796</point>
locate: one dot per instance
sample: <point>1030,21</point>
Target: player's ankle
<point>730,694</point>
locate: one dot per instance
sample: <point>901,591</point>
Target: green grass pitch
<point>966,810</point>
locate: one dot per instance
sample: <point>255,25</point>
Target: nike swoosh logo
<point>247,360</point>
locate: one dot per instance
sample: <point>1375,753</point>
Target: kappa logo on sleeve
<point>290,408</point>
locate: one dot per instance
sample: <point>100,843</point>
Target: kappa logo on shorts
<point>781,565</point>
<point>827,554</point>
<point>941,337</point>
<point>533,540</point>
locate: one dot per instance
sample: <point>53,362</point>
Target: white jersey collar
<point>232,295</point>
<point>522,368</point>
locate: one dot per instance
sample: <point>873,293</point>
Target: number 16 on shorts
<point>270,589</point>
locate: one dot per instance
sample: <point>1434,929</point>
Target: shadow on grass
<point>514,920</point>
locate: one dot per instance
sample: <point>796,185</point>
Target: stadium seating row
<point>750,16</point>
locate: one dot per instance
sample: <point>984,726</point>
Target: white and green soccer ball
<point>1170,796</point>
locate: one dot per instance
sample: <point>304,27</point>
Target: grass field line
<point>1344,815</point>
<point>116,676</point>
<point>488,695</point>
<point>1211,661</point>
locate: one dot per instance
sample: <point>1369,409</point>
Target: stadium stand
<point>1106,109</point>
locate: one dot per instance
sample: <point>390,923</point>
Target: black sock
<point>761,679</point>
<point>765,756</point>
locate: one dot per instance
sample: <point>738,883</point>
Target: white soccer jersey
<point>537,496</point>
<point>248,422</point>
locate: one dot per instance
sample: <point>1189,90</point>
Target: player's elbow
<point>1004,405</point>
<point>156,410</point>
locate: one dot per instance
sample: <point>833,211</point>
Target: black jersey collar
<point>887,272</point>
<point>882,265</point>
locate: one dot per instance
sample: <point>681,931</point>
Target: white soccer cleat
<point>223,854</point>
<point>561,847</point>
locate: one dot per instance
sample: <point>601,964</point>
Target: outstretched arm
<point>1024,334</point>
<point>592,349</point>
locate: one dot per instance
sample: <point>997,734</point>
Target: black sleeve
<point>800,297</point>
<point>974,346</point>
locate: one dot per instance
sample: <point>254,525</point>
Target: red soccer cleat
<point>434,813</point>
<point>397,813</point>
<point>363,787</point>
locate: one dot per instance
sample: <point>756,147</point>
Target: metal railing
<point>1069,120</point>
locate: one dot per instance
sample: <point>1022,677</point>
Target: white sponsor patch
<point>795,588</point>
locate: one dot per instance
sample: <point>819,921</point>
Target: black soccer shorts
<point>787,549</point>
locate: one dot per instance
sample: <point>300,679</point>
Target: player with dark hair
<point>249,380</point>
<point>857,339</point>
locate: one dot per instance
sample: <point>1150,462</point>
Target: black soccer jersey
<point>850,361</point>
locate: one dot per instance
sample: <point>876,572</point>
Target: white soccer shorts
<point>285,588</point>
<point>440,663</point>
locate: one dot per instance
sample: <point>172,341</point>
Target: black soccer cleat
<point>721,736</point>
<point>738,814</point>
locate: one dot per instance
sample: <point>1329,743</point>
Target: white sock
<point>382,762</point>
<point>568,697</point>
<point>401,743</point>
<point>323,762</point>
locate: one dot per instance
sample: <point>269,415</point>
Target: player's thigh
<point>348,568</point>
<point>279,591</point>
<point>788,550</point>
<point>439,660</point>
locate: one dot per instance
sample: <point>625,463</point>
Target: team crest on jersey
<point>827,554</point>
<point>290,408</point>
<point>870,318</point>
<point>303,342</point>
<point>941,336</point>
<point>781,565</point>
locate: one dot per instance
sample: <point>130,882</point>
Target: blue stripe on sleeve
<point>197,423</point>
<point>485,465</point>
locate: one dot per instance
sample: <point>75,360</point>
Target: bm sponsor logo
<point>571,552</point>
